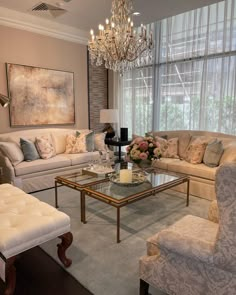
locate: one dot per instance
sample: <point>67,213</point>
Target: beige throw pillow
<point>169,148</point>
<point>59,141</point>
<point>195,151</point>
<point>45,147</point>
<point>76,144</point>
<point>99,142</point>
<point>184,140</point>
<point>12,151</point>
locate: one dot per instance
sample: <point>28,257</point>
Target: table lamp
<point>4,100</point>
<point>108,116</point>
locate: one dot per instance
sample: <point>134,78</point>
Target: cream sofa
<point>202,177</point>
<point>40,174</point>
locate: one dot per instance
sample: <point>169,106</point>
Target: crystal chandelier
<point>118,45</point>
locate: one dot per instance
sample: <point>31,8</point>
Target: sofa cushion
<point>195,151</point>
<point>200,170</point>
<point>58,161</point>
<point>59,142</point>
<point>169,148</point>
<point>90,141</point>
<point>76,143</point>
<point>99,142</point>
<point>82,157</point>
<point>184,140</point>
<point>12,151</point>
<point>45,147</point>
<point>29,150</point>
<point>213,153</point>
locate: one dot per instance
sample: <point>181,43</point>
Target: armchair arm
<point>213,212</point>
<point>190,247</point>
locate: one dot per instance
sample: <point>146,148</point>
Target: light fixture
<point>108,116</point>
<point>4,100</point>
<point>118,45</point>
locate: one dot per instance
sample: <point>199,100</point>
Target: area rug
<point>99,263</point>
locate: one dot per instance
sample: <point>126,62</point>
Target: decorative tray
<point>97,171</point>
<point>137,178</point>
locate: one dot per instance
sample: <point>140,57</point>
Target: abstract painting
<point>40,96</point>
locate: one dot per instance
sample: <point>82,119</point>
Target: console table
<point>118,143</point>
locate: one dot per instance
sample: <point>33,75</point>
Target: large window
<point>191,82</point>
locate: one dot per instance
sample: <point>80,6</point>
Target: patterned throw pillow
<point>195,151</point>
<point>76,143</point>
<point>45,146</point>
<point>169,148</point>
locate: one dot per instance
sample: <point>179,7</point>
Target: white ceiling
<point>86,14</point>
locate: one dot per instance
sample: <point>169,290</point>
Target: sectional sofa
<point>40,174</point>
<point>202,177</point>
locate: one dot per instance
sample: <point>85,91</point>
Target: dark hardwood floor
<point>39,274</point>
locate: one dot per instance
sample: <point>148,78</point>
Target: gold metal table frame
<point>87,189</point>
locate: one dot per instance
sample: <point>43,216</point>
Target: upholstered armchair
<point>196,256</point>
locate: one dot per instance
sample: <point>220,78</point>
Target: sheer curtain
<point>191,83</point>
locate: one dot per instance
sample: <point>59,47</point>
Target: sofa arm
<point>8,169</point>
<point>213,212</point>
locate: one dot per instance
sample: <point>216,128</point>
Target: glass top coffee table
<point>120,195</point>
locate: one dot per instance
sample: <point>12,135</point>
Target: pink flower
<point>143,146</point>
<point>143,156</point>
<point>138,139</point>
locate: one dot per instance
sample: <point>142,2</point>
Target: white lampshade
<point>109,116</point>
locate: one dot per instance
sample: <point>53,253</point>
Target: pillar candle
<point>125,175</point>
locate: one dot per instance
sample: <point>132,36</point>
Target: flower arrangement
<point>143,148</point>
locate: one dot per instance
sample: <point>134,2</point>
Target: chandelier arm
<point>108,51</point>
<point>133,59</point>
<point>117,54</point>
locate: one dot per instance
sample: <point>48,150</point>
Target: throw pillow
<point>45,147</point>
<point>195,151</point>
<point>12,151</point>
<point>90,141</point>
<point>99,143</point>
<point>169,148</point>
<point>59,142</point>
<point>29,150</point>
<point>213,153</point>
<point>184,140</point>
<point>75,144</point>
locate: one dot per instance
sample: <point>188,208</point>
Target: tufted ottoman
<point>25,222</point>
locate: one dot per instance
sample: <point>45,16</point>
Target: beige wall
<point>26,48</point>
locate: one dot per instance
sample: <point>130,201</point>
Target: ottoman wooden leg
<point>10,276</point>
<point>66,241</point>
<point>143,288</point>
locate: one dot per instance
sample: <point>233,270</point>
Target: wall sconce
<point>4,100</point>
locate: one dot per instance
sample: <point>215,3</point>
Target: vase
<point>144,164</point>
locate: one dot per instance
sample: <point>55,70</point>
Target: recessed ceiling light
<point>136,13</point>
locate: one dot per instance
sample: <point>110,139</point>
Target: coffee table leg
<point>118,226</point>
<point>82,207</point>
<point>187,201</point>
<point>56,201</point>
